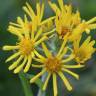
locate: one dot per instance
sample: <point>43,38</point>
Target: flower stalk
<point>25,84</point>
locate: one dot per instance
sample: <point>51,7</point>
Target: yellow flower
<point>26,26</point>
<point>66,21</point>
<point>84,51</point>
<point>32,24</point>
<point>36,18</point>
<point>55,65</point>
<point>69,23</point>
<point>25,48</point>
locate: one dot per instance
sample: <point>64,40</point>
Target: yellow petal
<point>46,82</point>
<point>62,48</point>
<point>42,11</point>
<point>19,68</point>
<point>54,7</point>
<point>13,56</point>
<point>14,24</point>
<point>61,4</point>
<point>38,10</point>
<point>91,20</point>
<point>40,56</point>
<point>92,26</point>
<point>39,60</point>
<point>87,30</point>
<point>73,66</point>
<point>47,20</point>
<point>65,81</point>
<point>38,34</point>
<point>76,44</point>
<point>63,53</point>
<point>11,67</point>
<point>71,73</point>
<point>37,76</point>
<point>86,41</point>
<point>55,84</point>
<point>15,31</point>
<point>28,64</point>
<point>41,40</point>
<point>37,65</point>
<point>32,54</point>
<point>7,48</point>
<point>46,51</point>
<point>20,21</point>
<point>50,32</point>
<point>68,59</point>
<point>29,10</point>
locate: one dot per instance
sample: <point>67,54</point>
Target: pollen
<point>52,64</point>
<point>26,46</point>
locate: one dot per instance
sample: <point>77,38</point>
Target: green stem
<point>25,84</point>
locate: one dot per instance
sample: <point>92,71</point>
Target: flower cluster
<point>32,32</point>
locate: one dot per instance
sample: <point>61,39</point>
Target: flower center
<point>53,64</point>
<point>26,46</point>
<point>64,31</point>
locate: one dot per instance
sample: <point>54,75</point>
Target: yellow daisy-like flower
<point>26,26</point>
<point>25,48</point>
<point>84,51</point>
<point>69,24</point>
<point>36,18</point>
<point>55,65</point>
<point>32,24</point>
<point>66,21</point>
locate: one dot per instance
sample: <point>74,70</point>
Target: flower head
<point>84,51</point>
<point>68,23</point>
<point>55,65</point>
<point>28,25</point>
<point>26,46</point>
<point>24,53</point>
<point>36,18</point>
